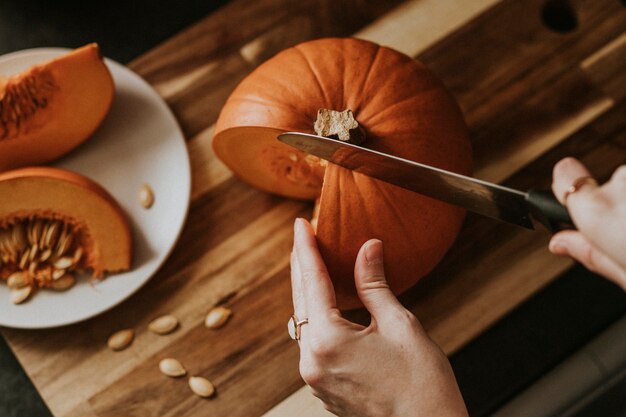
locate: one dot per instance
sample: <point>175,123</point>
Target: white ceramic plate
<point>138,142</point>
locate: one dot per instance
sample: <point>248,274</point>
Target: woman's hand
<point>599,213</point>
<point>389,368</point>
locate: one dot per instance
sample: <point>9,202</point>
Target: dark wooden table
<point>531,94</point>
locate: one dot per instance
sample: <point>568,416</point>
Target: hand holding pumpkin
<point>389,368</point>
<point>599,213</point>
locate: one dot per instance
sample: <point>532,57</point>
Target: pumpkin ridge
<point>343,180</point>
<point>260,101</point>
<point>392,108</point>
<point>400,217</point>
<point>382,192</point>
<point>342,100</point>
<point>321,88</point>
<point>370,67</point>
<point>359,184</point>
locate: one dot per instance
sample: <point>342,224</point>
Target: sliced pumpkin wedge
<point>51,108</point>
<point>55,222</point>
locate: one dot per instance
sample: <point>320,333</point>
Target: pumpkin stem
<point>339,125</point>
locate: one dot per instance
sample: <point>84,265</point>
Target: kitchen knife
<point>481,197</point>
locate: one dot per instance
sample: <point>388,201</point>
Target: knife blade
<point>482,197</point>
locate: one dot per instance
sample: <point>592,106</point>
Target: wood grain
<point>530,95</point>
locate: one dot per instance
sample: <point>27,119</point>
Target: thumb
<point>371,285</point>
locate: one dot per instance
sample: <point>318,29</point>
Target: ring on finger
<point>577,185</point>
<point>294,325</point>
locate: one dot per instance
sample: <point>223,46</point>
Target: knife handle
<point>548,211</point>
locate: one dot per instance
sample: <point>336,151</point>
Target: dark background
<point>124,29</point>
<point>505,359</point>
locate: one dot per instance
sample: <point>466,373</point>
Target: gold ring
<point>577,185</point>
<point>293,326</point>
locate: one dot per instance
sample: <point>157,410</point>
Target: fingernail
<point>557,247</point>
<point>374,252</point>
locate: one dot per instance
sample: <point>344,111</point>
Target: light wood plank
<point>416,25</point>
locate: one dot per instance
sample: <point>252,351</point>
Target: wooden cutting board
<point>531,95</point>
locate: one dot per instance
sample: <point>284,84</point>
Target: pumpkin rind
<point>404,110</point>
<point>62,102</point>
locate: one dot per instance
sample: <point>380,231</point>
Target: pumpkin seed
<point>32,268</point>
<point>58,273</point>
<point>64,262</point>
<point>37,229</point>
<point>18,237</point>
<point>121,339</point>
<point>172,367</point>
<point>77,255</point>
<point>65,242</point>
<point>19,295</point>
<point>18,279</point>
<point>146,196</point>
<point>66,282</point>
<point>201,386</point>
<point>42,236</point>
<point>39,248</point>
<point>24,259</point>
<point>163,325</point>
<point>45,255</point>
<point>217,317</point>
<point>4,240</point>
<point>29,232</point>
<point>33,252</point>
<point>51,234</point>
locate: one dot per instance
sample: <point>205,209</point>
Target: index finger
<point>317,289</point>
<point>566,172</point>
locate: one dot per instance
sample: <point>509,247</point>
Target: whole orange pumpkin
<point>403,109</point>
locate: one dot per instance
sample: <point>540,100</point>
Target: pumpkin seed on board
<point>172,367</point>
<point>163,325</point>
<point>121,339</point>
<point>217,317</point>
<point>201,386</point>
